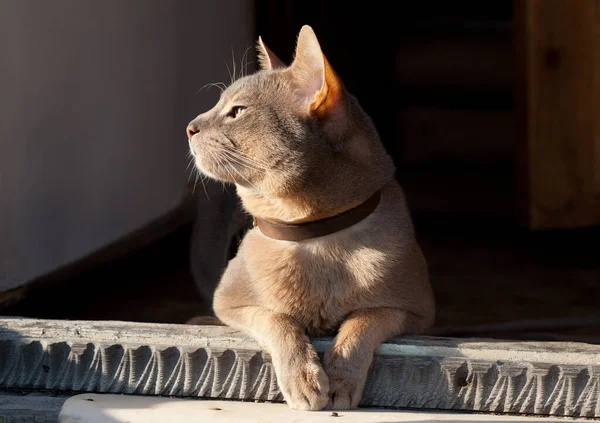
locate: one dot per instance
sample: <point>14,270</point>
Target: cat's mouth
<point>210,164</point>
<point>222,163</point>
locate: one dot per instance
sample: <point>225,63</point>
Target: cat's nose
<point>192,129</point>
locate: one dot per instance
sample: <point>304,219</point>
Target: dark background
<point>426,73</point>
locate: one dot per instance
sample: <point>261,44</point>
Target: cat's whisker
<point>241,161</point>
<point>243,65</point>
<point>195,183</point>
<point>229,166</point>
<point>233,66</point>
<point>259,163</point>
<point>214,159</point>
<point>192,170</point>
<point>223,187</point>
<point>229,72</point>
<point>246,65</point>
<point>249,160</point>
<point>224,161</point>
<point>190,161</point>
<point>220,161</point>
<point>190,177</point>
<point>225,164</point>
<point>246,179</point>
<point>220,85</point>
<point>204,186</point>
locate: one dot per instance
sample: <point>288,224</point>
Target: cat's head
<point>293,140</point>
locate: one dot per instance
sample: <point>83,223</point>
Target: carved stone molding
<point>561,379</point>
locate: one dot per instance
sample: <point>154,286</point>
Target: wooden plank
<point>560,379</point>
<point>456,135</point>
<point>558,100</point>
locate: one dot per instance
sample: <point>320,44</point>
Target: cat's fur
<point>301,150</point>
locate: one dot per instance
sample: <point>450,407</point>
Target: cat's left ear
<point>266,58</point>
<point>315,80</point>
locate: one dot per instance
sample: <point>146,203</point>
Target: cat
<point>300,149</point>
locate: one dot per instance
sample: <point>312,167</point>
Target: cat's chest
<point>318,285</point>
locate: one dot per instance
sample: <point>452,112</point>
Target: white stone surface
<point>95,408</point>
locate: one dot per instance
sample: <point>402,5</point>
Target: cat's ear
<point>315,80</point>
<point>266,58</point>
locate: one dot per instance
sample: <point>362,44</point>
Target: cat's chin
<point>205,169</point>
<point>211,175</point>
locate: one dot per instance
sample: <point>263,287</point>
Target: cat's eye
<point>236,111</point>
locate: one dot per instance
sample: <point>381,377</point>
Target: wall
<point>95,99</point>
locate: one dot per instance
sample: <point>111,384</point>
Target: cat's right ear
<point>266,58</point>
<point>315,80</point>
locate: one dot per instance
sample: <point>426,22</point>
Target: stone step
<point>543,378</point>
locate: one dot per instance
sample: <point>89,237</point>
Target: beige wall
<point>95,95</point>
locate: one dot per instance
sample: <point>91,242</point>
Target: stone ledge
<point>560,379</point>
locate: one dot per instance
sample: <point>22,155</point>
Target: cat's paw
<point>303,382</point>
<point>347,378</point>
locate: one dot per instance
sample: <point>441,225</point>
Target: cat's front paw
<point>303,382</point>
<point>347,378</point>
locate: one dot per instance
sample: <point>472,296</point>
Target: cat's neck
<point>301,207</point>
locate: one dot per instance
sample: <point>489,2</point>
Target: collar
<point>317,228</point>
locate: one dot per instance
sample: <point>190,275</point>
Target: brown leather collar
<point>318,228</point>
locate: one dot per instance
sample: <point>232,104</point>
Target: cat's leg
<point>349,357</point>
<point>300,375</point>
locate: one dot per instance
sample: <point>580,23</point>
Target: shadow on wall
<point>96,98</point>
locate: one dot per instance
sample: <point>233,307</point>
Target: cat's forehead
<point>259,84</point>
